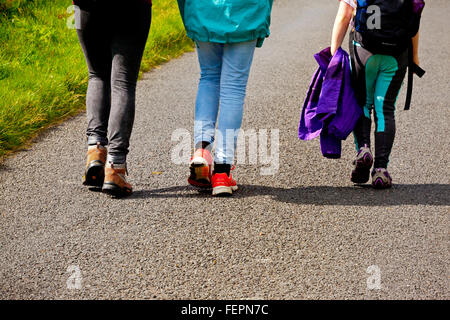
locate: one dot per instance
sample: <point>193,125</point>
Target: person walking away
<point>113,35</point>
<point>226,34</point>
<point>385,33</point>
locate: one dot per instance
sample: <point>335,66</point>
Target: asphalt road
<point>303,233</point>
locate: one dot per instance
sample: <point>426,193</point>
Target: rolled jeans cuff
<point>92,141</point>
<point>116,158</point>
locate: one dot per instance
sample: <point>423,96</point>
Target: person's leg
<point>364,71</point>
<point>207,103</point>
<point>389,82</point>
<point>391,75</point>
<point>95,42</point>
<point>237,61</point>
<point>362,129</point>
<point>130,25</point>
<point>206,109</point>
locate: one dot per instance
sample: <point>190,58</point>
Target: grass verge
<point>43,75</point>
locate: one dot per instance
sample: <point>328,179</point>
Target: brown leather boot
<point>95,166</point>
<point>115,183</point>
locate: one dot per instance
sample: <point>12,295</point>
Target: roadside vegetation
<point>43,75</point>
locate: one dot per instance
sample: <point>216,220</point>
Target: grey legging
<point>113,38</point>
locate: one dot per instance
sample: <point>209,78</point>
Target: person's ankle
<point>116,165</point>
<point>119,161</point>
<point>222,168</point>
<point>98,145</point>
<point>203,145</point>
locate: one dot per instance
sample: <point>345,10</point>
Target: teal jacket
<point>226,21</point>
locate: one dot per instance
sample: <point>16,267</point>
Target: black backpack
<point>387,26</point>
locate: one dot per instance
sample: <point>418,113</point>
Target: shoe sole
<point>200,173</point>
<point>361,174</point>
<point>94,175</point>
<point>224,191</point>
<point>114,190</point>
<point>378,183</point>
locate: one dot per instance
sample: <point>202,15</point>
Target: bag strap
<point>412,69</point>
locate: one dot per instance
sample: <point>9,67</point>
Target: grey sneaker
<point>381,179</point>
<point>362,163</point>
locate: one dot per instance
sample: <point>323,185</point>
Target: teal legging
<point>377,80</point>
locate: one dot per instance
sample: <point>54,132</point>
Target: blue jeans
<point>225,69</point>
<point>113,39</point>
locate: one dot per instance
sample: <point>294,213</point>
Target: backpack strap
<point>412,69</point>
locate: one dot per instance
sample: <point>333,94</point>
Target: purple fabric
<point>418,6</point>
<point>338,101</point>
<point>330,145</point>
<point>310,127</point>
<point>330,108</point>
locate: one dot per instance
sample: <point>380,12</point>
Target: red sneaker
<point>223,185</point>
<point>200,167</point>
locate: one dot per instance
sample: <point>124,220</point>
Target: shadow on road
<point>400,194</point>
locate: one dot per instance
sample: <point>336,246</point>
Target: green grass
<point>43,75</point>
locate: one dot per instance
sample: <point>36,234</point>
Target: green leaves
<point>43,74</point>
